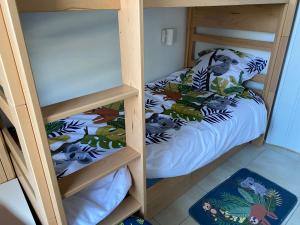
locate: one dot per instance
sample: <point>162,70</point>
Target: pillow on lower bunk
<point>225,70</point>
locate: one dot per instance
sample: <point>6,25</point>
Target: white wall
<point>161,60</point>
<point>76,53</point>
<point>285,124</point>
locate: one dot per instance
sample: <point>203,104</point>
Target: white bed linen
<point>193,145</point>
<point>93,204</point>
<point>196,144</point>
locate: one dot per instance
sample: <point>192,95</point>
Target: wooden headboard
<point>259,18</point>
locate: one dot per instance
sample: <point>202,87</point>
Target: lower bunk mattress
<point>96,202</point>
<point>188,128</point>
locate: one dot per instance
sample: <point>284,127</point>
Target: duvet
<point>186,128</point>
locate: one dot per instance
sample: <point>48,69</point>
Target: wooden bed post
<point>282,37</point>
<point>279,52</point>
<point>27,119</point>
<point>131,30</point>
<point>190,30</point>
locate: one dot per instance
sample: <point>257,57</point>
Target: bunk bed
<point>31,157</point>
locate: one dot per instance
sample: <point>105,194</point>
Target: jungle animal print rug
<point>245,198</point>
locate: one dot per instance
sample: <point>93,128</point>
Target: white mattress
<point>196,144</point>
<point>93,204</point>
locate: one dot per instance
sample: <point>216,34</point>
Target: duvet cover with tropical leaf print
<point>171,104</point>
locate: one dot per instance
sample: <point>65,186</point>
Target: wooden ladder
<point>19,102</point>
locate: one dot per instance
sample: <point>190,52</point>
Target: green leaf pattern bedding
<point>170,104</point>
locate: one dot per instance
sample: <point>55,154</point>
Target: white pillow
<point>224,70</point>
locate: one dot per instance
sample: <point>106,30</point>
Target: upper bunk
<point>61,5</point>
<point>269,21</point>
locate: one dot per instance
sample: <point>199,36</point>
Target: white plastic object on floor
<point>13,200</point>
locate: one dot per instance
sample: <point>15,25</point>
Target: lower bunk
<point>189,132</point>
<point>163,192</point>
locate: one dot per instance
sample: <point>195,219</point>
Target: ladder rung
<point>75,182</point>
<point>25,183</point>
<point>128,207</point>
<point>81,104</point>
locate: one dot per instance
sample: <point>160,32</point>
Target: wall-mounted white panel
<point>12,200</point>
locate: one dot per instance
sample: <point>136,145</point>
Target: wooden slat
<point>266,17</point>
<point>5,159</point>
<point>258,91</point>
<point>15,151</point>
<point>259,78</point>
<point>128,207</point>
<point>275,72</point>
<point>3,177</point>
<point>75,182</point>
<point>290,15</point>
<point>5,107</point>
<point>238,42</point>
<point>194,3</point>
<point>77,105</point>
<point>61,5</point>
<point>1,72</point>
<point>277,57</point>
<point>26,186</point>
<point>190,30</point>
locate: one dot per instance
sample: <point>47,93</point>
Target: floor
<point>279,165</point>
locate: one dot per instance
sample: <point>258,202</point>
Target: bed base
<point>163,193</point>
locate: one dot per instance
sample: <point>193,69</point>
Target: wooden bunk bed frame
<point>18,98</point>
<point>273,18</point>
